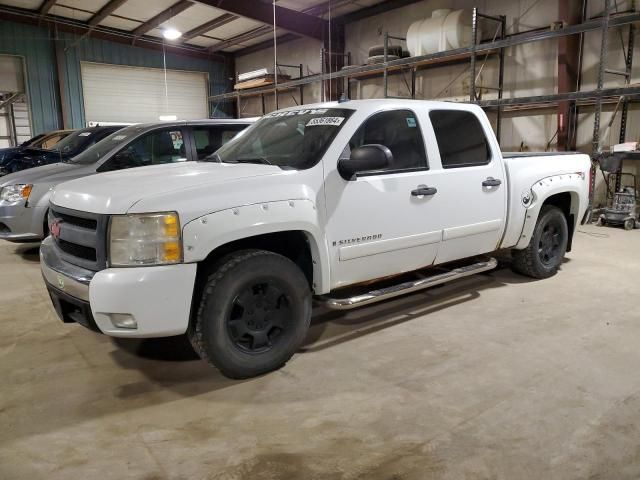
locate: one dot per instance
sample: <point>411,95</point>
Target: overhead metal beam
<point>243,37</point>
<point>287,37</point>
<point>46,6</point>
<point>319,9</point>
<point>210,25</point>
<point>316,10</point>
<point>76,27</point>
<point>162,17</point>
<point>104,12</point>
<point>291,20</point>
<point>98,17</point>
<point>377,9</point>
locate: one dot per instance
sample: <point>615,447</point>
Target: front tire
<point>543,256</point>
<point>254,313</point>
<point>629,224</point>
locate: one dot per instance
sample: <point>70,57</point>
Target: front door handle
<point>423,190</point>
<point>491,182</point>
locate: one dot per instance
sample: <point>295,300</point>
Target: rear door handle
<point>491,182</point>
<point>423,190</point>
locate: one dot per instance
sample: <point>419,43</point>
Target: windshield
<point>294,139</point>
<point>74,143</point>
<point>104,146</point>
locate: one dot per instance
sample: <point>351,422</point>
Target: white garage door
<point>116,93</point>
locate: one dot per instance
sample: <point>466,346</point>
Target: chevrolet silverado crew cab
<point>335,203</point>
<point>24,196</point>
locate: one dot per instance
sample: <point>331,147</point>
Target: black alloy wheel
<point>550,244</point>
<point>259,317</point>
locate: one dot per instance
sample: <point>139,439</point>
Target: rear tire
<point>543,256</point>
<point>629,224</point>
<point>254,313</point>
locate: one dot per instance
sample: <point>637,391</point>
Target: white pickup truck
<point>312,203</point>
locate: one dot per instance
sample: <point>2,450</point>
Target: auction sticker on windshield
<point>335,121</point>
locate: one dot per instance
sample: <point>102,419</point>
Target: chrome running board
<point>406,287</point>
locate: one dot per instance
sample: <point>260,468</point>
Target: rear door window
<point>209,138</point>
<point>461,139</point>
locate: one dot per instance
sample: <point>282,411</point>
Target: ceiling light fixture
<point>171,34</point>
<point>167,118</point>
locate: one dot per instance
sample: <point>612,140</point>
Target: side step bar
<point>406,287</point>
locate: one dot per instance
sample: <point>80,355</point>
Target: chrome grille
<point>80,237</point>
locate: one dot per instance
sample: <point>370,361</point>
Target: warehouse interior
<point>492,376</point>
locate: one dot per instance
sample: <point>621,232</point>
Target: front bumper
<point>21,224</point>
<point>157,298</point>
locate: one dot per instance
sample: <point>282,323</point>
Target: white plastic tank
<point>445,30</point>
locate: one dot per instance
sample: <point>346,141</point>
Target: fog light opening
<point>123,320</point>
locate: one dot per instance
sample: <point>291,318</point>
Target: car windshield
<point>294,139</point>
<point>104,146</point>
<point>74,143</point>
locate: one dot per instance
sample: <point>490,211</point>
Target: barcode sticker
<point>334,121</point>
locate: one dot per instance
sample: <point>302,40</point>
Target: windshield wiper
<point>259,160</point>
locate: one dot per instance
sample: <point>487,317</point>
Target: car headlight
<point>145,239</point>
<point>13,193</point>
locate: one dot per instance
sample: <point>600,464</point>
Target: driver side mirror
<point>363,159</point>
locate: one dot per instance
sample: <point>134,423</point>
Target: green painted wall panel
<point>38,47</point>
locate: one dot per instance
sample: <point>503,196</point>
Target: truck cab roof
<point>375,104</point>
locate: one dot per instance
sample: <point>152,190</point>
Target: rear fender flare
<point>543,189</point>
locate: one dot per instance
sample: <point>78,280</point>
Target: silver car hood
<point>50,174</point>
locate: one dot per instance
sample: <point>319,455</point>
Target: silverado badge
<point>350,241</point>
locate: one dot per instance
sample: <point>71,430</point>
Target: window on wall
<point>461,139</point>
<point>398,130</point>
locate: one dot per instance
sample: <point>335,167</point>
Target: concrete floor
<point>494,377</point>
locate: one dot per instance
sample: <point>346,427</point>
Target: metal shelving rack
<point>497,46</point>
<point>260,92</point>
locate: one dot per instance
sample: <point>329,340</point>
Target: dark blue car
<point>67,148</point>
<point>44,141</point>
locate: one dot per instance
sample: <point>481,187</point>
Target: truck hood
<point>117,192</point>
<point>50,174</point>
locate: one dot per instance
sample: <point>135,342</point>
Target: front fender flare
<point>203,235</point>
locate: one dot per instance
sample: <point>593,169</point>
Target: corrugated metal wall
<point>38,47</point>
<point>35,46</point>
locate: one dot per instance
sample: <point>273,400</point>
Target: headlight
<point>13,193</point>
<point>145,239</point>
